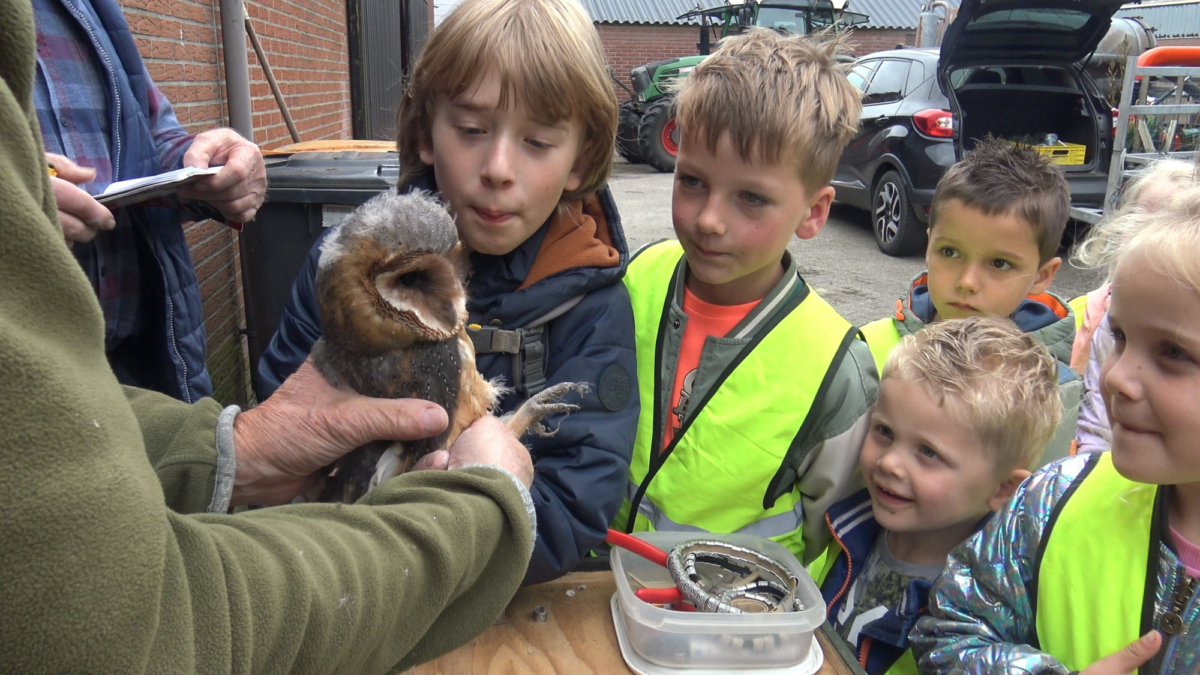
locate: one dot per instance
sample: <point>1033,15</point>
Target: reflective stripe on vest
<point>1091,574</point>
<point>882,337</point>
<point>725,466</point>
<point>777,525</point>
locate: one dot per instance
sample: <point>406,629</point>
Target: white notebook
<point>137,190</point>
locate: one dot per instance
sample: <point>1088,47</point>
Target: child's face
<point>1151,382</point>
<point>926,472</point>
<point>983,265</point>
<point>735,218</point>
<point>501,170</point>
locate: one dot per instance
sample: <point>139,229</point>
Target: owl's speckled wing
<point>426,370</point>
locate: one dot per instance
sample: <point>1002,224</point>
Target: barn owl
<point>393,314</point>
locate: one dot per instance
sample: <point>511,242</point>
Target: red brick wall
<point>305,43</point>
<point>865,41</point>
<point>627,46</point>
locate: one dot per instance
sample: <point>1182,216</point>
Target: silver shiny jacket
<point>980,619</point>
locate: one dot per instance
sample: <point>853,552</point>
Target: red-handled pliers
<point>654,596</point>
<point>659,596</point>
<point>634,545</point>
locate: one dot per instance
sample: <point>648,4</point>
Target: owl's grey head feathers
<point>416,221</point>
<point>389,276</point>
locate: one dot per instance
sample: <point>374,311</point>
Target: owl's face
<point>422,291</point>
<point>390,277</point>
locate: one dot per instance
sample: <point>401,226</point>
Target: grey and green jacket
<point>828,449</point>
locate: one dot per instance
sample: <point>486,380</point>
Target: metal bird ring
<point>719,577</point>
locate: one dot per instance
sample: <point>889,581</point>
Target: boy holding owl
<point>755,393</point>
<point>510,119</point>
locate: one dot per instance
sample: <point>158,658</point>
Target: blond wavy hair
<point>1169,235</point>
<point>549,60</point>
<point>780,98</point>
<point>1109,235</point>
<point>989,375</point>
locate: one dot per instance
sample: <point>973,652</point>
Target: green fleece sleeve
<point>180,442</point>
<point>98,574</point>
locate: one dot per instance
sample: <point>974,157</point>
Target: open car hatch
<point>1024,31</point>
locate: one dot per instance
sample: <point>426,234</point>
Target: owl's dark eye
<point>409,279</point>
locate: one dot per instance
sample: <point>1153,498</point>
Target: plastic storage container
<point>714,641</point>
<point>307,191</point>
<point>1067,154</point>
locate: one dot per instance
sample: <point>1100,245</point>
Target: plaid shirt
<point>72,95</point>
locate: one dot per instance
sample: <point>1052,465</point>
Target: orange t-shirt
<point>704,319</point>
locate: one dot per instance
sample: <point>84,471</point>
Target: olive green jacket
<point>108,563</point>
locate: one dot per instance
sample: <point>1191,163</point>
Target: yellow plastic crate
<point>1063,153</point>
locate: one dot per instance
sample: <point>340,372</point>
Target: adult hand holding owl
<point>308,424</point>
<point>487,441</point>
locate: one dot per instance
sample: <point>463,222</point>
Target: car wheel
<point>628,145</point>
<point>897,230</point>
<point>658,135</point>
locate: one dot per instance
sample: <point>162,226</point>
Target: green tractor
<point>647,132</point>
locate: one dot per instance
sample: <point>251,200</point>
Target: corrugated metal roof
<point>1169,19</point>
<point>640,11</point>
<point>888,14</point>
<point>885,14</point>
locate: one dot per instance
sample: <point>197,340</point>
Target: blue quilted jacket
<point>170,356</point>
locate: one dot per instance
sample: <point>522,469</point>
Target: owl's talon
<point>528,417</point>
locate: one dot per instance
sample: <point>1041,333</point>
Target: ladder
<point>1124,163</point>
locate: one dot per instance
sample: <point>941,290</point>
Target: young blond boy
<point>755,391</point>
<point>511,118</point>
<point>994,230</point>
<point>965,408</point>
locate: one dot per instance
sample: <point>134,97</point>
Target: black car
<point>1015,69</point>
<point>904,145</point>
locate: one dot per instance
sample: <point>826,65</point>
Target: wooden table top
<point>577,637</point>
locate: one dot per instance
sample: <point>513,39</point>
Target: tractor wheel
<point>897,230</point>
<point>658,135</point>
<point>627,133</point>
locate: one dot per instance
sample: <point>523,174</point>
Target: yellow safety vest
<point>882,337</point>
<point>1078,305</point>
<point>1093,570</point>
<point>731,467</point>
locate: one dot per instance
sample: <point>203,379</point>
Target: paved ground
<point>842,262</point>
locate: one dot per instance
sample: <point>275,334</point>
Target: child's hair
<point>778,97</point>
<point>548,57</point>
<point>990,376</point>
<point>1110,234</point>
<point>1000,178</point>
<point>1170,234</point>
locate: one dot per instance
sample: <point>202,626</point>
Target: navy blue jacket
<point>170,356</point>
<point>580,472</point>
<point>854,528</point>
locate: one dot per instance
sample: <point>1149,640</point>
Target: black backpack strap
<point>526,344</point>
